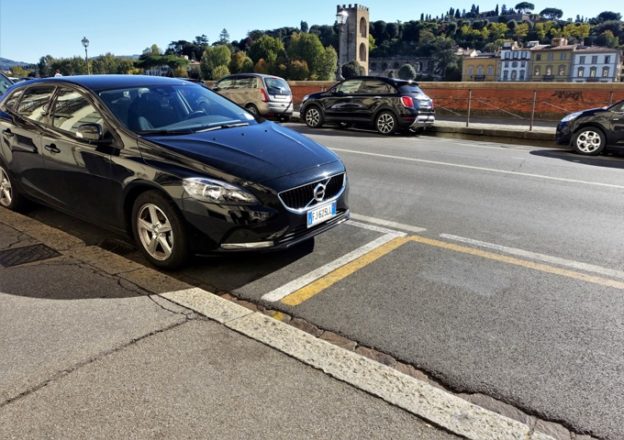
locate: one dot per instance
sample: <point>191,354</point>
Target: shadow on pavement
<point>611,160</point>
<point>332,130</point>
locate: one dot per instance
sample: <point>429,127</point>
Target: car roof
<point>106,82</point>
<point>393,81</point>
<point>258,75</point>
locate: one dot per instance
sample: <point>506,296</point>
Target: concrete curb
<point>413,395</point>
<point>442,129</point>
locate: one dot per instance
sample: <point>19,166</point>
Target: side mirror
<point>89,132</point>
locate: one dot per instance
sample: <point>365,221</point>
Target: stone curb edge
<point>413,395</point>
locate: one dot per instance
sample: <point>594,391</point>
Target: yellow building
<point>553,62</point>
<point>480,67</point>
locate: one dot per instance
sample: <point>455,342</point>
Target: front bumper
<point>563,136</point>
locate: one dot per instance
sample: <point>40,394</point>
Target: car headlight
<point>571,117</point>
<point>215,191</point>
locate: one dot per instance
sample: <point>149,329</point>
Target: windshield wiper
<point>225,125</point>
<point>166,132</point>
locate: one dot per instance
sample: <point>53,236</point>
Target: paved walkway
<point>96,346</point>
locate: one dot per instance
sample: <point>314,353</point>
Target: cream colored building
<point>480,67</point>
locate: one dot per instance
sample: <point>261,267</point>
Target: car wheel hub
<point>313,117</point>
<point>588,141</point>
<point>6,193</point>
<point>385,123</point>
<point>155,232</point>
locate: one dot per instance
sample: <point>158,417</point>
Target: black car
<point>590,131</point>
<point>176,166</point>
<point>387,104</point>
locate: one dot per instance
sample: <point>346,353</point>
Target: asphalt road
<point>512,289</point>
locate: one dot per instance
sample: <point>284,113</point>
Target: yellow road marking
<point>332,278</point>
<point>518,262</point>
<point>278,315</point>
<point>312,289</point>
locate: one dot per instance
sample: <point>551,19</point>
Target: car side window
<point>375,87</point>
<point>225,84</point>
<point>5,83</point>
<point>13,100</point>
<point>618,108</point>
<point>349,87</point>
<point>34,104</point>
<point>71,110</point>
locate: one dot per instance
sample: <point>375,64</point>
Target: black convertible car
<point>173,164</point>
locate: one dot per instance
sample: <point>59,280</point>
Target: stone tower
<point>354,36</point>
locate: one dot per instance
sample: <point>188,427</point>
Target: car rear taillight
<point>265,96</point>
<point>407,101</point>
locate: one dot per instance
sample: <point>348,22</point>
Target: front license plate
<point>321,214</point>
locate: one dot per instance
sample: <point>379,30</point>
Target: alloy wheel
<point>385,123</point>
<point>313,117</point>
<point>6,192</point>
<point>155,232</point>
<point>588,142</point>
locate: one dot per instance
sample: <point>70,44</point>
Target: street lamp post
<point>85,43</point>
<point>341,19</point>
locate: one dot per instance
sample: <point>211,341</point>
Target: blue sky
<point>30,29</point>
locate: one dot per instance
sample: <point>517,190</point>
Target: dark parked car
<point>173,164</point>
<point>591,131</point>
<point>385,103</point>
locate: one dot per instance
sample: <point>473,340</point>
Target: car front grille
<point>302,197</point>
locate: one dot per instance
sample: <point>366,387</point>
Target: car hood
<point>258,152</point>
<point>593,111</point>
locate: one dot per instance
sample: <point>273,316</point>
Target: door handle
<point>52,148</point>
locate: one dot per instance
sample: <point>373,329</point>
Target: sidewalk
<point>496,130</point>
<point>96,346</point>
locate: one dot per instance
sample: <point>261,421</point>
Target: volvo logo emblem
<point>319,192</point>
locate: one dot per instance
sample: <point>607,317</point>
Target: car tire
<point>10,198</point>
<point>159,230</point>
<point>589,141</point>
<point>252,109</point>
<point>313,117</point>
<point>386,123</point>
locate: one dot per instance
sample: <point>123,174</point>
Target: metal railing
<point>518,107</point>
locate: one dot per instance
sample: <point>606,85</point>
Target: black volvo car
<point>387,104</point>
<point>173,164</point>
<point>590,132</point>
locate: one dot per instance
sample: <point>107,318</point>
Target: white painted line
<point>491,170</point>
<point>613,273</point>
<point>387,223</point>
<point>288,288</point>
<point>417,397</point>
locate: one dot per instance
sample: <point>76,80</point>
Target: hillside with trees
<point>310,52</point>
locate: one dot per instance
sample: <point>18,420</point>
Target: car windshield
<point>173,109</point>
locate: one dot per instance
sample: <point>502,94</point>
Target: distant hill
<point>6,64</point>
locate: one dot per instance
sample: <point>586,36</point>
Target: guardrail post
<point>611,98</point>
<point>533,110</point>
<point>469,106</point>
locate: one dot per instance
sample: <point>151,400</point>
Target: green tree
<point>326,67</point>
<point>525,7</point>
<point>609,16</point>
<point>407,72</point>
<point>298,70</point>
<point>219,72</point>
<point>224,36</point>
<point>304,26</point>
<point>241,63</point>
<point>352,69</point>
<point>214,57</point>
<point>267,48</point>
<point>551,13</point>
<point>307,47</point>
<point>608,39</point>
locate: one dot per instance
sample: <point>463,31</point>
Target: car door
<point>21,126</point>
<point>79,170</point>
<point>617,121</point>
<point>372,95</point>
<point>338,104</point>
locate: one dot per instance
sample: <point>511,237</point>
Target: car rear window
<point>411,89</point>
<point>277,86</point>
